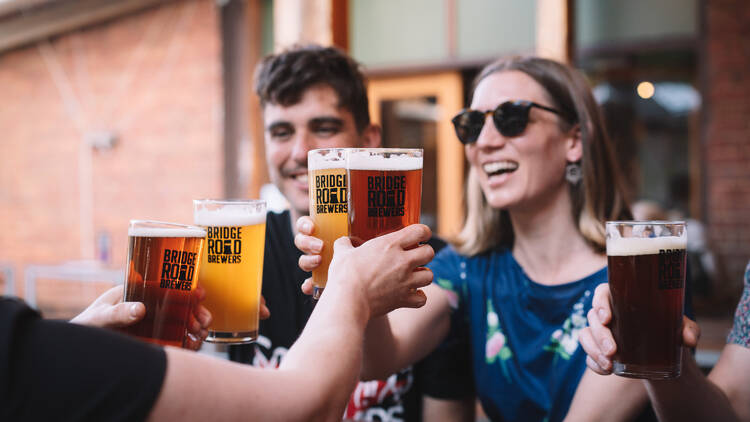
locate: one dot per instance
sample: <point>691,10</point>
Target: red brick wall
<point>167,116</point>
<point>727,90</point>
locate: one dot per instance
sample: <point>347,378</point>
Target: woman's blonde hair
<point>600,196</point>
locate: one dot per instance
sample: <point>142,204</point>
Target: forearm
<point>607,398</point>
<point>328,354</point>
<point>312,383</point>
<point>404,336</point>
<point>690,397</point>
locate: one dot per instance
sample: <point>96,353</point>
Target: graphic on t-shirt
<point>177,270</point>
<point>496,347</point>
<point>740,333</point>
<point>449,291</point>
<point>564,340</point>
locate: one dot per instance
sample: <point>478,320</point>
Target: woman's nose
<point>490,137</point>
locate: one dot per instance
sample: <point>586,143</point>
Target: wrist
<point>349,297</point>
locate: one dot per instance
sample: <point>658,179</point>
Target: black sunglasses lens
<point>511,119</point>
<point>468,125</point>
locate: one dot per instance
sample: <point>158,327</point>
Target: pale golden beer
<point>232,266</point>
<point>385,191</point>
<point>163,264</point>
<point>328,205</point>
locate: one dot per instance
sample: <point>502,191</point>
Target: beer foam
<point>365,160</point>
<point>334,159</point>
<point>228,218</point>
<point>631,246</point>
<point>165,232</point>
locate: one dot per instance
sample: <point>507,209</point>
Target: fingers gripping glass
<point>510,118</point>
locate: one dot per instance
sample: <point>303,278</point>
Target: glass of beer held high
<point>385,191</point>
<point>646,270</point>
<point>163,264</point>
<point>232,266</point>
<point>328,205</point>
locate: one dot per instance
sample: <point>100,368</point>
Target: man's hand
<point>311,246</point>
<point>597,339</point>
<point>109,311</point>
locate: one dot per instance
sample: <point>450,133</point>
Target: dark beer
<point>163,265</point>
<point>385,192</point>
<point>647,283</point>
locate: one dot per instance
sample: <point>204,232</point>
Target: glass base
<point>317,291</point>
<point>630,370</point>
<point>241,337</point>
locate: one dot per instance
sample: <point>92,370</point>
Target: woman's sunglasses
<point>510,118</point>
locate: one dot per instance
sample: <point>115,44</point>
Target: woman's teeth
<point>499,167</point>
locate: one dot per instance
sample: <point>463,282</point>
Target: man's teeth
<point>301,178</point>
<point>499,166</point>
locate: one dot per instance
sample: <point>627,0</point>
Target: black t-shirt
<point>57,371</point>
<point>396,399</point>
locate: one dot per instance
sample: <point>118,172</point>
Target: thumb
<point>124,314</point>
<point>342,244</point>
<point>691,332</point>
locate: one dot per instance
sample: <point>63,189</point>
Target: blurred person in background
<point>53,370</point>
<point>724,395</point>
<point>543,180</point>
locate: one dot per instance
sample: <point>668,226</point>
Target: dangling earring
<point>573,173</point>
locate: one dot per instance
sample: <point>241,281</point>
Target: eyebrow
<point>326,119</point>
<point>275,125</point>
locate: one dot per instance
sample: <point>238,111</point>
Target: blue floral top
<point>740,333</point>
<point>524,336</point>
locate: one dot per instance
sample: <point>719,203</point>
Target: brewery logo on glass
<point>671,263</point>
<point>330,194</point>
<point>386,195</point>
<point>177,270</point>
<point>224,245</point>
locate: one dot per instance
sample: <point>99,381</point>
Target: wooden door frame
<point>447,88</point>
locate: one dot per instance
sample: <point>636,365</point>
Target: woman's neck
<point>548,245</point>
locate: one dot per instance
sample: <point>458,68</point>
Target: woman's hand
<point>597,339</point>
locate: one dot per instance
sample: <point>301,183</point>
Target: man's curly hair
<point>284,77</point>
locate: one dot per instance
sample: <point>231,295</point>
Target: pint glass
<point>385,191</point>
<point>328,205</point>
<point>163,263</point>
<point>646,270</point>
<point>232,266</point>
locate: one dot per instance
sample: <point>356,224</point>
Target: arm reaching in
<point>109,311</point>
<point>321,368</point>
<point>692,396</point>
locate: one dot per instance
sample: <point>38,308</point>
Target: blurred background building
<point>112,110</point>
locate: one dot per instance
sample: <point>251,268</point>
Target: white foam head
<point>631,246</point>
<point>227,217</point>
<point>371,159</point>
<point>186,231</point>
<point>320,159</point>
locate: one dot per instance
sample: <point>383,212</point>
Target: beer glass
<point>385,191</point>
<point>163,262</point>
<point>232,266</point>
<point>328,205</point>
<point>646,270</point>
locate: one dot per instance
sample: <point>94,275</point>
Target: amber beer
<point>646,269</point>
<point>163,263</point>
<point>385,191</point>
<point>328,205</point>
<point>232,266</point>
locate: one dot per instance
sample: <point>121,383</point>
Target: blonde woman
<point>520,278</point>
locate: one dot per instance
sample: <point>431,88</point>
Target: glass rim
<point>165,223</point>
<point>328,149</point>
<point>647,222</point>
<point>230,201</point>
<point>387,150</point>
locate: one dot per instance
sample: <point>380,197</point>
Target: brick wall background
<point>154,78</point>
<point>727,133</point>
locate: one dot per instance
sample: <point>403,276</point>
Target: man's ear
<point>574,144</point>
<point>371,136</point>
